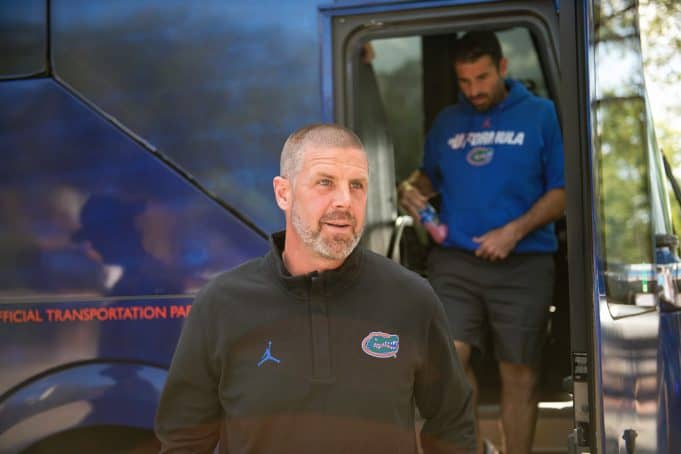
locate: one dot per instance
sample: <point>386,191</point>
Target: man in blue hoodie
<point>496,158</point>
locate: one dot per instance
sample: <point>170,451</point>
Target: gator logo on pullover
<point>381,345</point>
<point>480,156</point>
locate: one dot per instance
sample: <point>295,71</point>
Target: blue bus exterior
<point>138,144</point>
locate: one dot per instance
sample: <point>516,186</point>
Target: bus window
<point>23,38</point>
<point>80,218</point>
<point>398,63</point>
<point>620,139</point>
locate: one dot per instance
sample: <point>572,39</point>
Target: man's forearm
<point>548,208</point>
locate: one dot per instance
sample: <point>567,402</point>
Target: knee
<point>463,351</point>
<point>518,377</point>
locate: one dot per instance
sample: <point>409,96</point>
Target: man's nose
<point>341,196</point>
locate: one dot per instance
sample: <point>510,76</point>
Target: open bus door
<point>615,320</point>
<point>387,73</point>
<point>623,253</point>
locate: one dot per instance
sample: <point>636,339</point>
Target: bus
<point>138,144</point>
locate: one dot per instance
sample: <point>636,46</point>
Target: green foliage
<point>623,184</point>
<point>624,204</point>
<point>660,25</point>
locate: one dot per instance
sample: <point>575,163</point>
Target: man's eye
<point>324,182</point>
<point>357,185</point>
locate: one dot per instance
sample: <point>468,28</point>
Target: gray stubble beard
<point>339,249</point>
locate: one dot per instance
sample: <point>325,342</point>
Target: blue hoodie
<point>491,167</point>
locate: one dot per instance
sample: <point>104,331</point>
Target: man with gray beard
<point>321,345</point>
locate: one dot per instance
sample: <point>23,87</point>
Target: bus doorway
<point>397,75</point>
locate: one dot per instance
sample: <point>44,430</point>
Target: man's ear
<point>503,67</point>
<point>282,192</point>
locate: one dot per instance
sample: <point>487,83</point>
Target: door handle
<point>401,222</point>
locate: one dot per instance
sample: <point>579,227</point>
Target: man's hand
<point>498,243</point>
<point>411,199</point>
<point>414,192</point>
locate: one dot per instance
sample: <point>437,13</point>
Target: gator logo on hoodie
<point>480,156</point>
<point>381,345</point>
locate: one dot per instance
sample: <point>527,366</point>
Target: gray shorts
<point>507,300</point>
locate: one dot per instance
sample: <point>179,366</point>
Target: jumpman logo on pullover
<point>267,356</point>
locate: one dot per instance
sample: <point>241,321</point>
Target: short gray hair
<point>326,135</point>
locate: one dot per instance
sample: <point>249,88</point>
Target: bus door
<point>387,72</point>
<point>623,251</point>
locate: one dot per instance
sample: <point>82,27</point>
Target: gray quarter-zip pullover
<point>329,362</point>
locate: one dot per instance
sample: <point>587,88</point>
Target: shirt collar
<point>325,282</point>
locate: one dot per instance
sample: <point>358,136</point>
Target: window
<point>23,38</point>
<point>86,211</point>
<point>630,211</point>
